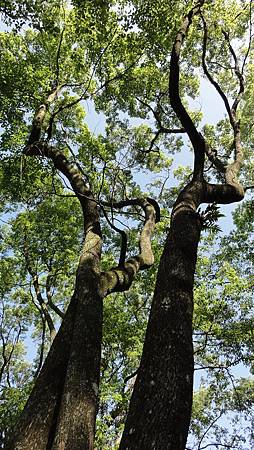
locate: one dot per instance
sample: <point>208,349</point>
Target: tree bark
<point>61,410</point>
<point>160,407</point>
<point>37,421</point>
<point>76,419</point>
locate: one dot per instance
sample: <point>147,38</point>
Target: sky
<point>213,110</point>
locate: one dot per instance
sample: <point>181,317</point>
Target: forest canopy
<point>126,293</point>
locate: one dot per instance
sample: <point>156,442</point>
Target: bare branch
<point>248,187</point>
<point>129,377</point>
<point>7,354</point>
<point>123,237</point>
<point>232,170</point>
<point>156,136</point>
<point>42,346</point>
<point>36,285</point>
<point>162,128</point>
<point>208,428</point>
<point>217,444</point>
<point>58,56</point>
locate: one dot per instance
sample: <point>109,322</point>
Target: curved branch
<point>223,194</point>
<point>91,252</point>
<point>248,188</point>
<point>239,75</point>
<point>232,170</point>
<point>195,137</point>
<point>162,128</point>
<point>61,163</point>
<point>209,76</point>
<point>119,279</point>
<point>50,302</point>
<point>135,202</point>
<point>123,237</point>
<point>250,40</point>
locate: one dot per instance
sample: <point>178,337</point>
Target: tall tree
<point>119,54</point>
<point>160,407</point>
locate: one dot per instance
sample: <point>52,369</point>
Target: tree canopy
<point>102,152</point>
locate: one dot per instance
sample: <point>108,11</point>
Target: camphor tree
<point>124,53</point>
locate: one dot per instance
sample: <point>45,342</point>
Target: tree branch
<point>239,75</point>
<point>195,137</point>
<point>58,56</point>
<point>161,128</point>
<point>232,170</point>
<point>208,428</point>
<point>208,74</point>
<point>123,238</point>
<point>91,251</point>
<point>119,279</point>
<point>42,303</point>
<point>40,114</point>
<point>50,302</point>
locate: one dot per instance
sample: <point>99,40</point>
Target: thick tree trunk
<point>61,410</point>
<point>160,407</point>
<point>76,419</point>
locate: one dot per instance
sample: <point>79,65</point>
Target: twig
<point>129,377</point>
<point>208,428</point>
<point>250,40</point>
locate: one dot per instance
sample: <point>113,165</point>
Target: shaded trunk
<point>61,410</point>
<point>160,407</point>
<point>76,418</point>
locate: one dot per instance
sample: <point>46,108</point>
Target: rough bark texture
<point>76,417</point>
<point>61,411</point>
<point>160,407</point>
<point>37,421</point>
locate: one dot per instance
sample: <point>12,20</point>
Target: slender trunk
<point>160,407</point>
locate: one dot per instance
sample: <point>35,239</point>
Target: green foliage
<point>223,324</point>
<point>114,57</point>
<point>210,216</point>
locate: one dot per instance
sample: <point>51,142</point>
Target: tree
<point>160,407</point>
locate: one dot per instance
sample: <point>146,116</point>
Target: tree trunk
<point>61,410</point>
<point>160,407</point>
<point>76,419</point>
